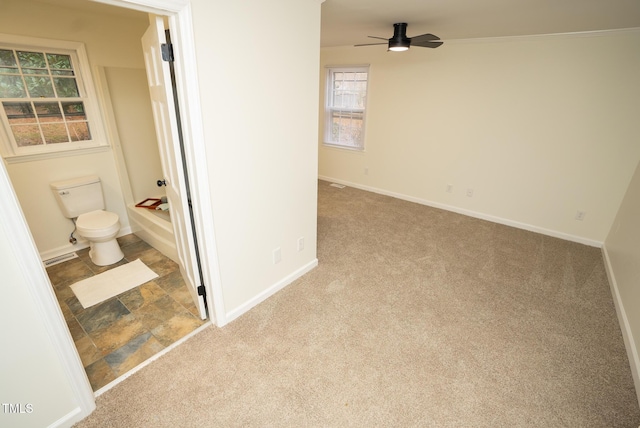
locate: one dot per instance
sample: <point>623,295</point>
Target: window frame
<point>329,108</point>
<point>10,151</point>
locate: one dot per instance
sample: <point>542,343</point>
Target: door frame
<point>180,21</point>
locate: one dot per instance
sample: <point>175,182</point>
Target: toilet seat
<point>97,224</point>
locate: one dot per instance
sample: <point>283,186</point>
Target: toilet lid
<point>97,220</point>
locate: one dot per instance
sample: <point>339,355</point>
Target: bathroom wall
<point>129,94</point>
<point>111,40</point>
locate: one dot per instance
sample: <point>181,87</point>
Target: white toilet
<point>81,199</point>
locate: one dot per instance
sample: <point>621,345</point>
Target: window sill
<point>52,155</point>
<point>348,148</point>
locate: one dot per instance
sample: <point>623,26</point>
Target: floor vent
<point>339,186</point>
<point>60,259</point>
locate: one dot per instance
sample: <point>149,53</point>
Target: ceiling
<point>349,22</point>
<point>91,6</point>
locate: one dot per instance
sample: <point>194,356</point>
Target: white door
<point>164,115</point>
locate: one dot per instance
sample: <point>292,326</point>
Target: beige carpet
<point>415,317</point>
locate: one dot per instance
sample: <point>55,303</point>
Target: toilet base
<point>105,253</point>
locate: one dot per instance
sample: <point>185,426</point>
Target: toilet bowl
<point>100,229</point>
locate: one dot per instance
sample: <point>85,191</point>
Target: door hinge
<point>202,291</point>
<point>167,52</point>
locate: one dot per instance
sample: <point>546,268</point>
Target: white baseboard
<point>469,213</point>
<point>65,249</point>
<point>69,419</point>
<point>245,307</point>
<point>629,342</point>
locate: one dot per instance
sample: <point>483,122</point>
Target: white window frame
<point>330,108</point>
<point>76,50</point>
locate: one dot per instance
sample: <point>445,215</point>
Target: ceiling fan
<point>400,42</point>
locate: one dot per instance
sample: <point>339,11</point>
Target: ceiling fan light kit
<point>400,42</point>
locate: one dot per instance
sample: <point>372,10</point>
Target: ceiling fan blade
<point>370,44</point>
<point>426,44</point>
<point>426,41</point>
<point>376,37</point>
<point>424,38</point>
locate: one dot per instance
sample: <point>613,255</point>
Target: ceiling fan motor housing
<point>399,38</point>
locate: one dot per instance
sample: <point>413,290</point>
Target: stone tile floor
<point>116,335</point>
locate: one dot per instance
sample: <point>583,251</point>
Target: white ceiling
<point>349,22</point>
<point>90,6</point>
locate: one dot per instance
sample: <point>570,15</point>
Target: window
<point>345,106</point>
<point>47,102</point>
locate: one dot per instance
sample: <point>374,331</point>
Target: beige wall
<point>111,41</point>
<point>622,249</point>
<point>538,127</point>
<point>129,93</point>
<point>259,108</point>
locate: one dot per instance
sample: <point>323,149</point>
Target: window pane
<point>39,87</point>
<point>74,111</point>
<point>7,59</point>
<point>55,133</point>
<point>346,128</point>
<point>48,112</point>
<point>19,113</point>
<point>38,71</point>
<point>8,70</point>
<point>79,131</point>
<point>57,61</point>
<point>11,87</point>
<point>62,72</point>
<point>27,135</point>
<point>31,59</point>
<point>349,90</point>
<point>66,87</point>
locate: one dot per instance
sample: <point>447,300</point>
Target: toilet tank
<point>79,195</point>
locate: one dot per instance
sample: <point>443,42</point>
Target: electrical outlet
<point>277,256</point>
<point>470,193</point>
<point>449,188</point>
<point>580,215</point>
<point>301,243</point>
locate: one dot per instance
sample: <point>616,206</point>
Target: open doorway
<point>127,241</point>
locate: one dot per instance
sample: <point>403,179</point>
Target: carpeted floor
<point>415,317</point>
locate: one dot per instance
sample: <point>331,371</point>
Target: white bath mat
<point>101,287</point>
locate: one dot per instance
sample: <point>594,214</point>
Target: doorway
<point>202,217</point>
<point>115,335</point>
